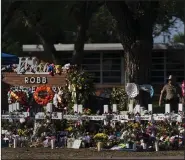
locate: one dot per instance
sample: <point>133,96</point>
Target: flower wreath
<point>46,97</point>
<point>16,95</point>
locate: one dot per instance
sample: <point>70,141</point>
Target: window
<point>158,67</point>
<point>111,68</point>
<point>104,67</point>
<point>175,64</point>
<point>91,64</point>
<point>158,73</point>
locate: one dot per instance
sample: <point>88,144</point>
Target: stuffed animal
<point>51,69</point>
<point>40,67</point>
<point>58,69</point>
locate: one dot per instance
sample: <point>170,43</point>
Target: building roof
<point>99,47</point>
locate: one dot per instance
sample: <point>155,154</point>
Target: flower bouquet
<point>100,138</point>
<point>69,129</point>
<point>87,111</point>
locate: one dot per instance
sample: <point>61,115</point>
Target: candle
<point>15,142</point>
<point>106,109</point>
<point>167,108</point>
<point>114,108</point>
<point>75,108</point>
<point>134,146</point>
<point>144,145</point>
<point>150,108</point>
<point>80,108</point>
<point>156,146</point>
<point>52,143</point>
<point>180,107</point>
<point>130,107</point>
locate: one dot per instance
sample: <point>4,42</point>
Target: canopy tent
<point>7,59</point>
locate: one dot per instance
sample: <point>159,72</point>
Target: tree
<point>34,20</point>
<point>137,23</point>
<point>82,12</point>
<point>136,35</point>
<point>103,27</point>
<point>179,38</point>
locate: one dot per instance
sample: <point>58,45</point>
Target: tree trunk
<point>82,12</point>
<point>48,45</point>
<point>137,40</point>
<point>78,52</point>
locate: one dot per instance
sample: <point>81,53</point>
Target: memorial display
<point>66,121</point>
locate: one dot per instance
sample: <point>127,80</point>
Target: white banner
<point>58,115</point>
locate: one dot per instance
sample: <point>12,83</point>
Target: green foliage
<point>179,38</point>
<point>168,12</point>
<point>6,125</point>
<point>59,26</point>
<point>103,27</point>
<point>81,83</point>
<point>119,97</point>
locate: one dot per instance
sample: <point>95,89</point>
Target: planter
<point>99,146</point>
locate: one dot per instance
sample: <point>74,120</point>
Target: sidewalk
<point>163,157</point>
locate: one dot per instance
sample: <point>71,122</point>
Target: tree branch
<point>9,13</point>
<point>47,44</point>
<point>82,16</point>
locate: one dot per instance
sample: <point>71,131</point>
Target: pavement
<point>160,157</point>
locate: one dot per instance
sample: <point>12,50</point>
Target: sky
<point>178,28</point>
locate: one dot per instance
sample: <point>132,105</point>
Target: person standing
<point>172,94</point>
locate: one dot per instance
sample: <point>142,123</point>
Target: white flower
<point>66,66</point>
<point>48,121</point>
<point>22,120</point>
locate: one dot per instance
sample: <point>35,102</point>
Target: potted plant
<point>100,138</point>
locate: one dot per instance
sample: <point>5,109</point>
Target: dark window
<point>111,79</point>
<point>112,73</point>
<point>157,73</point>
<point>91,67</point>
<point>158,61</point>
<point>111,68</point>
<point>157,66</point>
<point>91,64</point>
<point>158,54</point>
<point>158,79</point>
